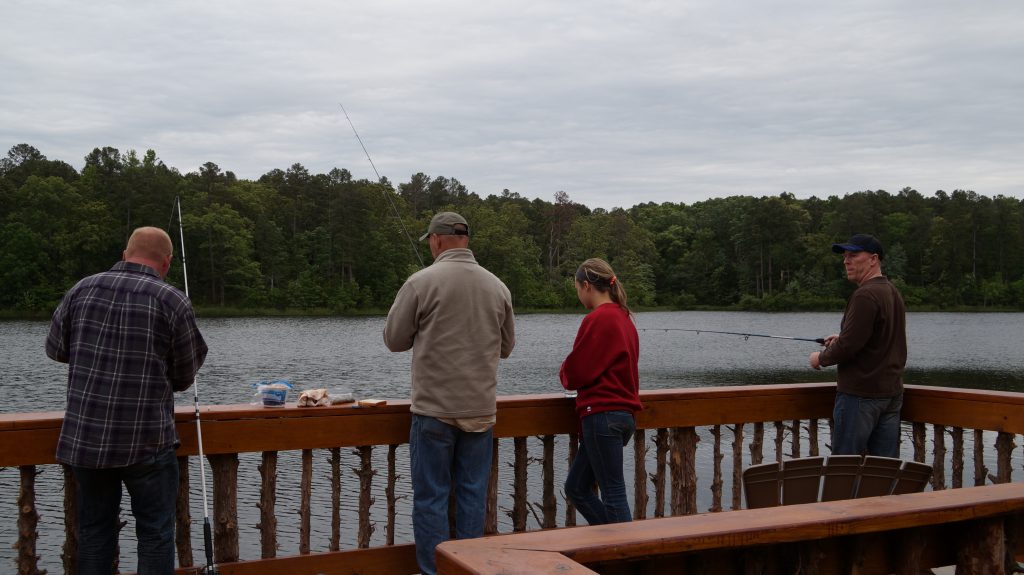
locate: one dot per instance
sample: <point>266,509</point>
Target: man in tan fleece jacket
<point>457,318</point>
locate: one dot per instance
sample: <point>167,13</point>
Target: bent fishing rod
<point>394,208</point>
<point>746,336</point>
<point>211,567</point>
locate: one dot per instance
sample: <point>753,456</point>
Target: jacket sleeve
<point>403,320</point>
<point>591,356</point>
<point>58,340</point>
<point>858,323</point>
<point>508,330</point>
<point>188,352</point>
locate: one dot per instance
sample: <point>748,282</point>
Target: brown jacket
<point>457,318</point>
<point>871,351</point>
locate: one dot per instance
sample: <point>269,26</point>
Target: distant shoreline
<point>231,312</point>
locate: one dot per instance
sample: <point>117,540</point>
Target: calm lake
<point>347,354</point>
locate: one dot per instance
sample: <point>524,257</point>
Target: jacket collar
<point>463,255</point>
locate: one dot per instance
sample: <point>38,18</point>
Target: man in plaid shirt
<point>130,341</point>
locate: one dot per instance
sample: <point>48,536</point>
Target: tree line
<point>329,243</point>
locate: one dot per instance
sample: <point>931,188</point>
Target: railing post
<point>780,437</point>
<point>365,472</point>
<point>684,472</point>
<point>570,509</point>
<point>267,505</point>
<point>757,444</point>
<point>939,457</point>
<point>183,518</point>
<point>795,453</point>
<point>716,481</point>
<point>658,477</point>
<point>305,500</point>
<point>335,463</point>
<point>550,504</point>
<point>957,463</point>
<point>519,492</point>
<point>640,474</point>
<point>491,512</point>
<point>983,548</point>
<point>737,466</point>
<point>69,554</point>
<point>389,493</point>
<point>980,472</point>
<point>28,520</point>
<point>812,438</point>
<point>225,506</point>
<point>1004,454</point>
<point>918,431</point>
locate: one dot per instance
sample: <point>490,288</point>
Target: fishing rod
<point>394,208</point>
<point>746,336</point>
<point>211,567</point>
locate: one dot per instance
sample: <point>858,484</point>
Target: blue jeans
<point>866,425</point>
<point>443,457</point>
<point>153,487</point>
<point>600,459</point>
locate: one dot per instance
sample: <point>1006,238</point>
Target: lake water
<point>347,354</point>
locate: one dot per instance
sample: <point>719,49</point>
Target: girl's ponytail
<point>599,274</point>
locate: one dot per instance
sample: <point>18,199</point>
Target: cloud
<point>614,102</point>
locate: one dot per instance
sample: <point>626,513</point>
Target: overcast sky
<point>616,103</point>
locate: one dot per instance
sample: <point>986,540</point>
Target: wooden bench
<point>838,477</point>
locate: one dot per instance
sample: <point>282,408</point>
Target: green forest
<point>298,242</point>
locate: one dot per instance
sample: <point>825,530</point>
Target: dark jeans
<point>600,459</point>
<point>444,458</point>
<point>865,425</point>
<point>153,487</point>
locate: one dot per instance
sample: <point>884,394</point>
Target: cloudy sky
<point>614,102</point>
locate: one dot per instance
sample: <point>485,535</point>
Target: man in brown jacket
<point>457,318</point>
<point>871,352</point>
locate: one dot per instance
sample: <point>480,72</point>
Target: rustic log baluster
<point>780,437</point>
<point>305,500</point>
<point>519,486</point>
<point>491,512</point>
<point>1004,453</point>
<point>267,505</point>
<point>640,474</point>
<point>980,471</point>
<point>737,466</point>
<point>550,504</point>
<point>389,493</point>
<point>365,472</point>
<point>982,549</point>
<point>69,553</point>
<point>28,521</point>
<point>795,446</point>
<point>957,463</point>
<point>225,506</point>
<point>335,463</point>
<point>938,457</point>
<point>684,472</point>
<point>757,444</point>
<point>918,430</point>
<point>570,509</point>
<point>812,438</point>
<point>183,519</point>
<point>658,477</point>
<point>716,482</point>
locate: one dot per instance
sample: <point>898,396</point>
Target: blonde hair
<point>601,276</point>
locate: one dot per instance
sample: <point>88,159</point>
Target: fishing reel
<point>210,570</point>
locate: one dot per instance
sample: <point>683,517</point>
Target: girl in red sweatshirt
<point>602,369</point>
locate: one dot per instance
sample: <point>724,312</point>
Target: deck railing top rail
<point>30,438</point>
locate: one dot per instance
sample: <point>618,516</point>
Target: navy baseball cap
<point>860,243</point>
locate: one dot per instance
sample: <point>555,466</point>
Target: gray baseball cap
<point>443,224</point>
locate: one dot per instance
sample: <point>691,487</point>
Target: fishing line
<point>398,216</point>
<point>211,567</point>
<point>746,336</point>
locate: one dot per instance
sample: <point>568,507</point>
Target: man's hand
<point>814,360</point>
<point>831,339</point>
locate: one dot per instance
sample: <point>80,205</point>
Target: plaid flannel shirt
<point>131,341</point>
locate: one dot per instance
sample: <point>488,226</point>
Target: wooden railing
<point>979,529</point>
<point>676,429</point>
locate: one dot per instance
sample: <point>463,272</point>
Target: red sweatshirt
<point>602,366</point>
